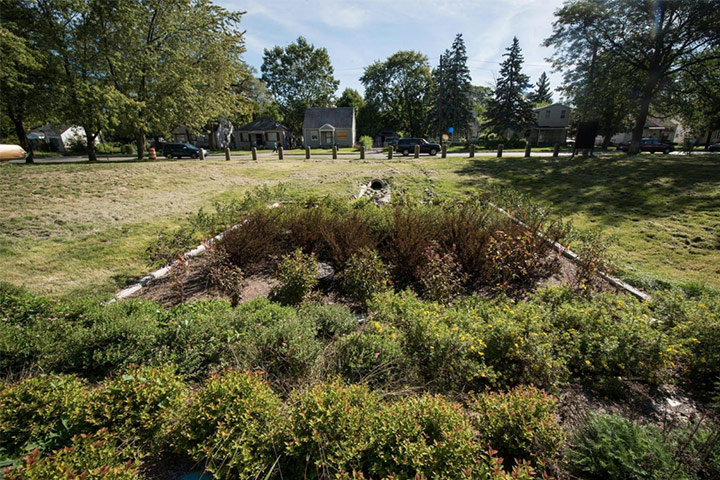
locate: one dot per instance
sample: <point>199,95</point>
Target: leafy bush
<point>133,404</point>
<point>611,446</point>
<point>297,273</point>
<point>91,457</point>
<point>364,275</point>
<point>329,321</point>
<point>519,424</point>
<point>592,250</point>
<point>441,277</point>
<point>330,429</point>
<point>232,425</point>
<point>366,141</point>
<point>128,149</point>
<point>42,412</point>
<point>168,246</point>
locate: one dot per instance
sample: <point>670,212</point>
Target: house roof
<point>339,117</point>
<point>551,105</point>
<point>262,124</point>
<point>50,130</point>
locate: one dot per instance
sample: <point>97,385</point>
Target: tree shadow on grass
<point>609,189</point>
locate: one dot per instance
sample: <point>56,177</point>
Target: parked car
<point>651,145</point>
<point>407,146</point>
<point>179,150</point>
<point>715,147</point>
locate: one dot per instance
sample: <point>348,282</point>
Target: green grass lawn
<point>81,228</point>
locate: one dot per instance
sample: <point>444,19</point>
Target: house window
<point>562,113</point>
<point>342,135</point>
<point>314,135</point>
<point>273,136</point>
<point>547,113</point>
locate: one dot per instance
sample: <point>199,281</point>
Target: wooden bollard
<point>417,151</point>
<point>527,150</point>
<point>334,152</point>
<point>254,153</point>
<point>202,154</point>
<point>307,152</point>
<point>472,150</point>
<point>444,150</point>
<point>227,154</point>
<point>362,152</point>
<point>500,149</point>
<point>390,149</point>
<point>280,153</point>
<point>556,150</point>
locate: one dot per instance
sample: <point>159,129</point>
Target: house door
<point>259,140</point>
<point>327,138</point>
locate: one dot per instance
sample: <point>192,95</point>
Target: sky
<point>357,33</point>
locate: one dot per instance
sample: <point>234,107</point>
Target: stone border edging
<point>569,254</point>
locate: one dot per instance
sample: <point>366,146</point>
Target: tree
<point>351,98</point>
<point>656,41</point>
<point>508,111</point>
<point>300,76</point>
<point>398,89</point>
<point>542,95</point>
<point>177,62</point>
<point>452,104</point>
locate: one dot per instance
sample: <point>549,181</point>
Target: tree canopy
<point>300,76</point>
<point>452,103</point>
<point>542,94</point>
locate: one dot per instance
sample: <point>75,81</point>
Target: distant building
<point>58,138</point>
<point>551,125</point>
<point>385,136</point>
<point>667,130</point>
<point>325,127</point>
<point>263,132</point>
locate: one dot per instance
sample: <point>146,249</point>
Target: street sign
<point>451,129</point>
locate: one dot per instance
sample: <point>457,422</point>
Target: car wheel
<point>666,151</point>
<point>433,152</point>
<point>194,155</point>
<point>168,155</point>
<point>406,152</point>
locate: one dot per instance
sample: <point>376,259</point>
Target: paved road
<point>375,155</point>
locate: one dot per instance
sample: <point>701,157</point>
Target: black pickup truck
<point>406,146</point>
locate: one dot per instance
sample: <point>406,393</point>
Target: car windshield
<point>422,140</point>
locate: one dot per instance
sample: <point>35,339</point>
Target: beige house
<point>551,125</point>
<point>325,127</point>
<point>666,130</point>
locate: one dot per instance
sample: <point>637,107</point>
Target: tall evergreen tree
<point>452,93</point>
<point>542,94</point>
<point>509,113</point>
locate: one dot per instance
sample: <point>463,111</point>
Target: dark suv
<point>179,150</point>
<point>651,145</point>
<point>407,146</point>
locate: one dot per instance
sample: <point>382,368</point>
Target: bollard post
<point>390,149</point>
<point>227,154</point>
<point>202,154</point>
<point>444,150</point>
<point>527,150</point>
<point>362,152</point>
<point>417,151</point>
<point>334,152</point>
<point>307,152</point>
<point>472,150</point>
<point>500,149</point>
<point>556,150</point>
<point>280,153</point>
<point>254,153</point>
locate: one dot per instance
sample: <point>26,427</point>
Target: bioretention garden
<point>443,335</point>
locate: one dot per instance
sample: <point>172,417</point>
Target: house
<point>185,134</point>
<point>58,138</point>
<point>263,132</point>
<point>666,130</point>
<point>551,125</point>
<point>384,136</point>
<point>325,127</point>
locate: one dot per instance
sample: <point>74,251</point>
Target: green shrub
<point>231,425</point>
<point>364,275</point>
<point>611,446</point>
<point>519,424</point>
<point>441,276</point>
<point>133,404</point>
<point>593,251</point>
<point>366,141</point>
<point>331,429</point>
<point>297,274</point>
<point>373,355</point>
<point>128,149</point>
<point>424,437</point>
<point>41,412</point>
<point>91,457</point>
<point>330,321</point>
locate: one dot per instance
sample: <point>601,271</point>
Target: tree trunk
<point>606,141</point>
<point>92,154</point>
<point>140,143</point>
<point>640,119</point>
<point>25,142</point>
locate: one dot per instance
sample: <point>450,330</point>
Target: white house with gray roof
<point>325,127</point>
